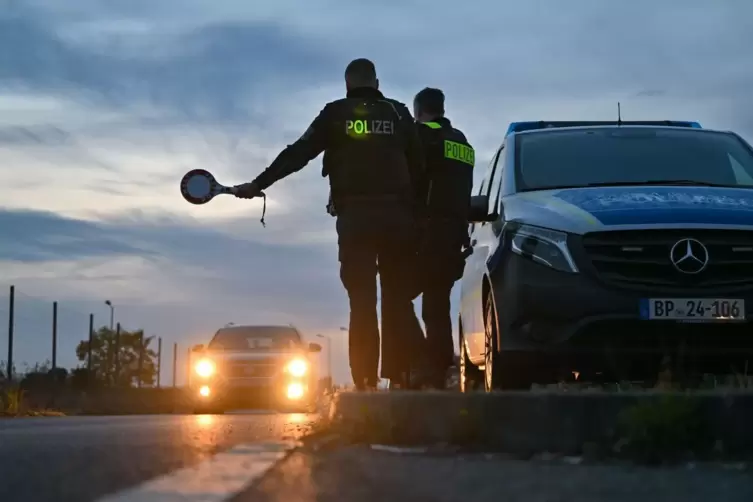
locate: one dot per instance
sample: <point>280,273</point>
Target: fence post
<point>159,360</point>
<point>117,354</point>
<point>54,335</point>
<point>89,348</point>
<point>11,312</point>
<point>188,367</point>
<point>175,363</point>
<point>141,358</point>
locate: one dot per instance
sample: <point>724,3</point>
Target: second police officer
<point>446,193</point>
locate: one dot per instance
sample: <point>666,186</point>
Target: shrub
<point>11,400</point>
<point>669,429</point>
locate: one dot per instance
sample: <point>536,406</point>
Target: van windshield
<point>623,155</point>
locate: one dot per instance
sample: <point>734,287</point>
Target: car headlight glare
<point>295,390</point>
<point>544,246</point>
<point>297,367</point>
<point>205,368</point>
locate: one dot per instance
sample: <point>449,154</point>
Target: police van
<point>606,249</point>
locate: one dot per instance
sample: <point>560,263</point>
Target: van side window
<point>488,175</point>
<point>484,188</point>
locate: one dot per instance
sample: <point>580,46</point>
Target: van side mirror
<point>315,347</point>
<point>478,211</point>
<point>197,348</point>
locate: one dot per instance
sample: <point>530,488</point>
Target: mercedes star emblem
<point>689,256</point>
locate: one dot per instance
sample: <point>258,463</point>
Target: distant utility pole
<point>89,348</point>
<point>159,360</point>
<point>117,354</point>
<point>54,335</point>
<point>175,364</point>
<point>188,367</point>
<point>141,360</point>
<point>11,324</point>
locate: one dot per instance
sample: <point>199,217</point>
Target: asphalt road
<point>359,475</point>
<point>84,458</point>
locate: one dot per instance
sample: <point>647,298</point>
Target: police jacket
<point>371,147</point>
<point>446,188</point>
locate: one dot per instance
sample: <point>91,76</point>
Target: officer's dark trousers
<point>435,311</point>
<point>369,242</point>
<point>403,342</point>
<point>442,265</point>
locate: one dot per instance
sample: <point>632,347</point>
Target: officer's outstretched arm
<point>295,157</point>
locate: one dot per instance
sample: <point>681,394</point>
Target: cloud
<point>166,241</point>
<point>204,73</point>
<point>31,236</point>
<point>105,104</point>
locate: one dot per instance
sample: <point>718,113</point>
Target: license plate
<point>693,309</point>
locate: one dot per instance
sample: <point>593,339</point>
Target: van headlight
<point>544,246</point>
<point>297,367</point>
<point>205,368</point>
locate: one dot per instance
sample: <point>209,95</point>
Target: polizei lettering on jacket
<point>460,152</point>
<point>366,127</point>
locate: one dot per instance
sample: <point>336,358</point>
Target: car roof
<point>548,125</point>
<point>269,328</point>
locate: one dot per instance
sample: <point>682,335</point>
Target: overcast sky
<point>104,104</point>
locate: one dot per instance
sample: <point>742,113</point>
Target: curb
<point>526,423</point>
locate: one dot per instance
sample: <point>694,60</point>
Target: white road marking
<point>217,479</point>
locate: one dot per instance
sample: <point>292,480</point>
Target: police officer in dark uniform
<point>373,159</point>
<point>446,190</point>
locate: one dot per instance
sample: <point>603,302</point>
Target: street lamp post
<point>329,358</point>
<point>112,313</point>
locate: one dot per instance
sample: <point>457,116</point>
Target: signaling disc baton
<point>199,187</point>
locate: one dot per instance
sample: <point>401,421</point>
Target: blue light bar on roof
<point>542,124</point>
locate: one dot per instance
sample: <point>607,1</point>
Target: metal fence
<point>74,342</point>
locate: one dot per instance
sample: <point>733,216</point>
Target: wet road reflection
<point>83,458</point>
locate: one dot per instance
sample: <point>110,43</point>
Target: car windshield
<point>256,338</point>
<point>623,155</point>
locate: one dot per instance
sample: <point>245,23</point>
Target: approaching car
<point>248,362</point>
<point>602,248</point>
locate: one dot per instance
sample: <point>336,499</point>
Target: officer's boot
<point>402,382</point>
<point>366,385</point>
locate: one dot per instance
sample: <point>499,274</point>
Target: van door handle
<point>473,242</point>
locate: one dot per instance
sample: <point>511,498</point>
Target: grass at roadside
<point>117,401</point>
<point>669,426</point>
<point>670,430</point>
<point>664,382</point>
<point>33,413</point>
<point>16,402</point>
<point>13,405</point>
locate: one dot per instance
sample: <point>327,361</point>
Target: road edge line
<point>216,479</point>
